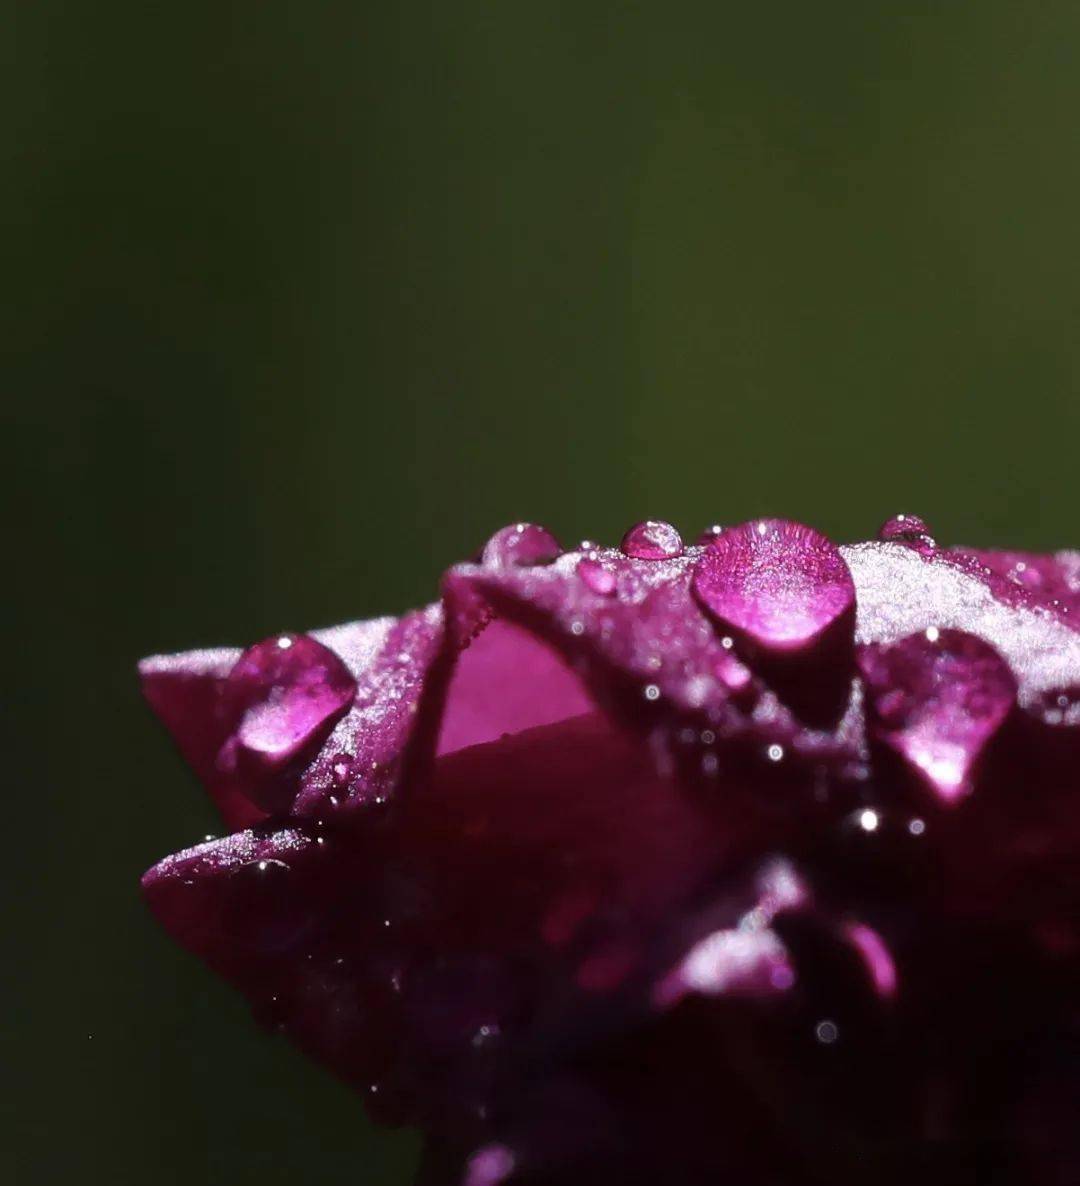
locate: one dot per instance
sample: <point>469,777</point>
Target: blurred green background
<point>306,299</point>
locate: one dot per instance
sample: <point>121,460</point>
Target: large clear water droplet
<point>521,545</point>
<point>281,699</point>
<point>937,698</point>
<point>652,540</point>
<point>779,584</point>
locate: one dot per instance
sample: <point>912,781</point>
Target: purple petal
<point>506,681</point>
<point>1052,581</point>
<point>938,698</point>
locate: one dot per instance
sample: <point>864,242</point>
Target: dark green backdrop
<point>304,299</point>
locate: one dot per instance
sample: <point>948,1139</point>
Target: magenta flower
<point>756,861</point>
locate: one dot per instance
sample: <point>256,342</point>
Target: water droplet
<point>869,820</point>
<point>916,826</point>
<point>596,577</point>
<point>909,530</point>
<point>709,535</point>
<point>775,753</point>
<point>782,585</point>
<point>280,702</point>
<point>652,692</point>
<point>826,1032</point>
<point>521,545</point>
<point>652,540</point>
<point>937,702</point>
<point>485,1034</point>
<point>1057,707</point>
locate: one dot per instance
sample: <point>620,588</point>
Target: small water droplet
<point>775,753</point>
<point>284,642</point>
<point>596,577</point>
<point>521,545</point>
<point>652,692</point>
<point>826,1032</point>
<point>909,530</point>
<point>932,634</point>
<point>869,820</point>
<point>916,826</point>
<point>652,540</point>
<point>709,535</point>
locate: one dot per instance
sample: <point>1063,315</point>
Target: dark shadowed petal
<point>549,862</point>
<point>937,698</point>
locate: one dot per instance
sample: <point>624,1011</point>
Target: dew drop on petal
<point>869,820</point>
<point>909,530</point>
<point>596,577</point>
<point>937,698</point>
<point>778,583</point>
<point>826,1032</point>
<point>280,700</point>
<point>652,540</point>
<point>521,545</point>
